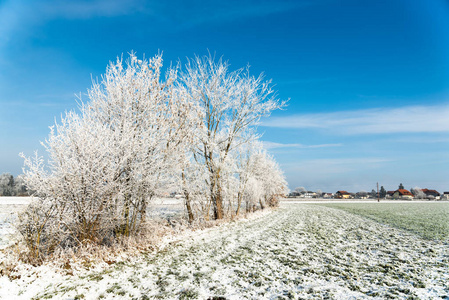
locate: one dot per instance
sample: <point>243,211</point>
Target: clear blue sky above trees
<point>368,80</point>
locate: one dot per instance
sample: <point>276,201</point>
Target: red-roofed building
<point>402,194</point>
<point>433,193</point>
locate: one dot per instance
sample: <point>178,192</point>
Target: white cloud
<point>413,119</point>
<point>272,145</point>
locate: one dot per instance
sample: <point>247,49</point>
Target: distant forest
<point>10,186</point>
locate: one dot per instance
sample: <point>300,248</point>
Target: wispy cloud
<point>272,145</point>
<point>425,140</point>
<point>17,17</point>
<point>90,9</point>
<point>412,119</point>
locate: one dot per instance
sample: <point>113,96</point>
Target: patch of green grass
<point>115,287</point>
<point>95,277</point>
<point>188,294</point>
<point>430,220</point>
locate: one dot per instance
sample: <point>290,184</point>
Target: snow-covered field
<point>298,251</point>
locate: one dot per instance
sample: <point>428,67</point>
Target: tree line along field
<point>298,251</point>
<point>140,134</point>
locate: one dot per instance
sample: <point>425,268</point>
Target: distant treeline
<point>10,186</point>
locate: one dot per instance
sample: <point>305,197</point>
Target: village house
<point>445,196</point>
<point>342,195</point>
<point>303,194</point>
<point>402,194</point>
<point>362,195</point>
<point>390,194</point>
<point>293,195</point>
<point>431,194</point>
<point>309,194</point>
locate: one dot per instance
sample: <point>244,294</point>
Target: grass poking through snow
<point>430,220</point>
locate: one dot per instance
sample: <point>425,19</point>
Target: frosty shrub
<point>107,161</point>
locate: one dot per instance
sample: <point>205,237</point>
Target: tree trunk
<point>218,206</point>
<point>219,199</point>
<point>239,202</point>
<point>186,195</point>
<point>189,208</point>
<point>216,197</point>
<point>261,203</point>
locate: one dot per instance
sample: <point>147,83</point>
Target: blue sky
<point>368,81</point>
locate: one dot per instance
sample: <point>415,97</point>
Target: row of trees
<point>139,135</point>
<point>10,186</point>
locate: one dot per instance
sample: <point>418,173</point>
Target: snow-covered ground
<point>9,206</point>
<point>298,251</point>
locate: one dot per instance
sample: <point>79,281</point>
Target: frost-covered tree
<point>300,189</point>
<point>107,161</point>
<point>260,180</point>
<point>195,190</point>
<point>418,193</point>
<point>230,105</point>
<point>20,188</point>
<point>245,158</point>
<point>272,180</point>
<point>10,186</point>
<point>6,185</point>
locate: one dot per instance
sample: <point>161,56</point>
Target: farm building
<point>402,194</point>
<point>342,195</point>
<point>431,193</point>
